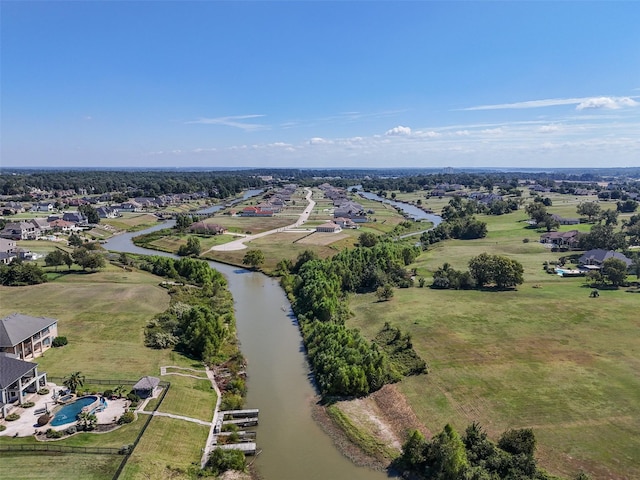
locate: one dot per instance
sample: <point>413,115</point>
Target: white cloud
<point>398,131</point>
<point>429,134</point>
<point>549,129</point>
<point>610,103</point>
<point>463,133</point>
<point>582,103</point>
<point>493,131</point>
<point>319,141</point>
<point>232,121</point>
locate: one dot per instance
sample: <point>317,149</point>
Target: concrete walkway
<point>178,417</point>
<point>216,412</point>
<point>240,243</point>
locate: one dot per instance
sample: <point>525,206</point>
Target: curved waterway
<point>293,445</point>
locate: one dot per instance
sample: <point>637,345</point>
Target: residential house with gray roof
<point>26,336</point>
<point>17,379</point>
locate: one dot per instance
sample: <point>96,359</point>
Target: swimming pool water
<point>69,413</point>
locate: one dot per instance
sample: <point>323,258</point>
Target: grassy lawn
<point>549,357</point>
<point>103,316</point>
<point>45,466</point>
<point>166,450</point>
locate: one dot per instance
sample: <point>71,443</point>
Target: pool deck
<point>27,424</point>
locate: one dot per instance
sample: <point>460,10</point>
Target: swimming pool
<point>69,413</point>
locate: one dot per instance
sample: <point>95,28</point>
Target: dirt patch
<point>385,415</point>
<point>322,238</point>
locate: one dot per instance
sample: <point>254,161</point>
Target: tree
<point>536,211</point>
<point>590,209</point>
<point>550,222</point>
<point>610,217</point>
<point>367,239</point>
<point>55,258</point>
<point>481,269</point>
<point>119,390</point>
<point>87,258</point>
<point>413,451</point>
<point>384,292</point>
<point>73,381</point>
<point>447,456</point>
<point>503,271</point>
<point>89,212</point>
<point>614,270</point>
<point>627,206</point>
<point>87,421</point>
<point>191,248</point>
<point>75,240</point>
<point>518,441</point>
<point>254,258</point>
<point>182,222</point>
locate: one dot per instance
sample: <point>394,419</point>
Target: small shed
<point>146,387</point>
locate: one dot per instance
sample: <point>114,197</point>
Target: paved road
<point>240,243</point>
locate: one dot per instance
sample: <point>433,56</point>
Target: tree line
<point>472,456</point>
<point>343,361</point>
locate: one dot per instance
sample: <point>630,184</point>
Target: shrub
<point>132,397</point>
<point>43,391</point>
<point>71,430</point>
<point>127,417</point>
<point>125,449</point>
<point>223,460</point>
<point>525,240</point>
<point>27,404</point>
<point>231,401</point>
<point>43,419</point>
<point>12,417</point>
<point>2,428</point>
<point>54,433</point>
<point>59,342</point>
<point>107,393</point>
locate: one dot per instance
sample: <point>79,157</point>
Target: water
<point>69,413</point>
<point>411,210</point>
<point>293,445</point>
<point>246,195</point>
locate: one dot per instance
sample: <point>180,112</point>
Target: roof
<point>599,255</point>
<point>147,383</point>
<point>11,369</point>
<point>18,327</point>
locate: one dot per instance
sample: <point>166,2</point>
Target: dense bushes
<point>59,342</point>
<point>472,456</point>
<point>19,273</point>
<point>43,419</point>
<point>344,362</point>
<point>222,460</point>
<point>127,417</point>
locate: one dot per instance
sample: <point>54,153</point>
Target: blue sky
<point>320,84</point>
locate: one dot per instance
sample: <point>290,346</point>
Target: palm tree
<point>87,421</point>
<point>73,381</point>
<point>119,390</point>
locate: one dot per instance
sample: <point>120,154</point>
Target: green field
<point>45,466</point>
<point>103,316</point>
<point>544,356</point>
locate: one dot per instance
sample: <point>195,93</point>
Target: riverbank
<point>375,428</point>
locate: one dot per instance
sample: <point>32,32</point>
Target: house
<point>130,206</point>
<point>26,336</point>
<point>42,207</point>
<point>20,231</point>
<point>565,221</point>
<point>7,250</point>
<point>561,239</point>
<point>598,256</point>
<point>207,228</point>
<point>146,387</point>
<point>256,212</point>
<point>17,379</point>
<point>345,222</point>
<point>60,225</point>
<point>42,224</point>
<point>76,218</point>
<point>107,212</point>
<point>329,227</point>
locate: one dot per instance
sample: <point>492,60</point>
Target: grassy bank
<point>103,316</point>
<point>544,356</point>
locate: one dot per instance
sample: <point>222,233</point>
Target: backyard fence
<point>45,447</point>
<point>165,389</point>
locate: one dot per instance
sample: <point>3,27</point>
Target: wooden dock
<point>242,422</point>
<point>251,412</point>
<point>248,448</point>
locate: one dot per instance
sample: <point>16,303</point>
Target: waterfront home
<point>26,336</point>
<point>17,379</point>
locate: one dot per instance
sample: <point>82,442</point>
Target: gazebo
<point>146,387</point>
